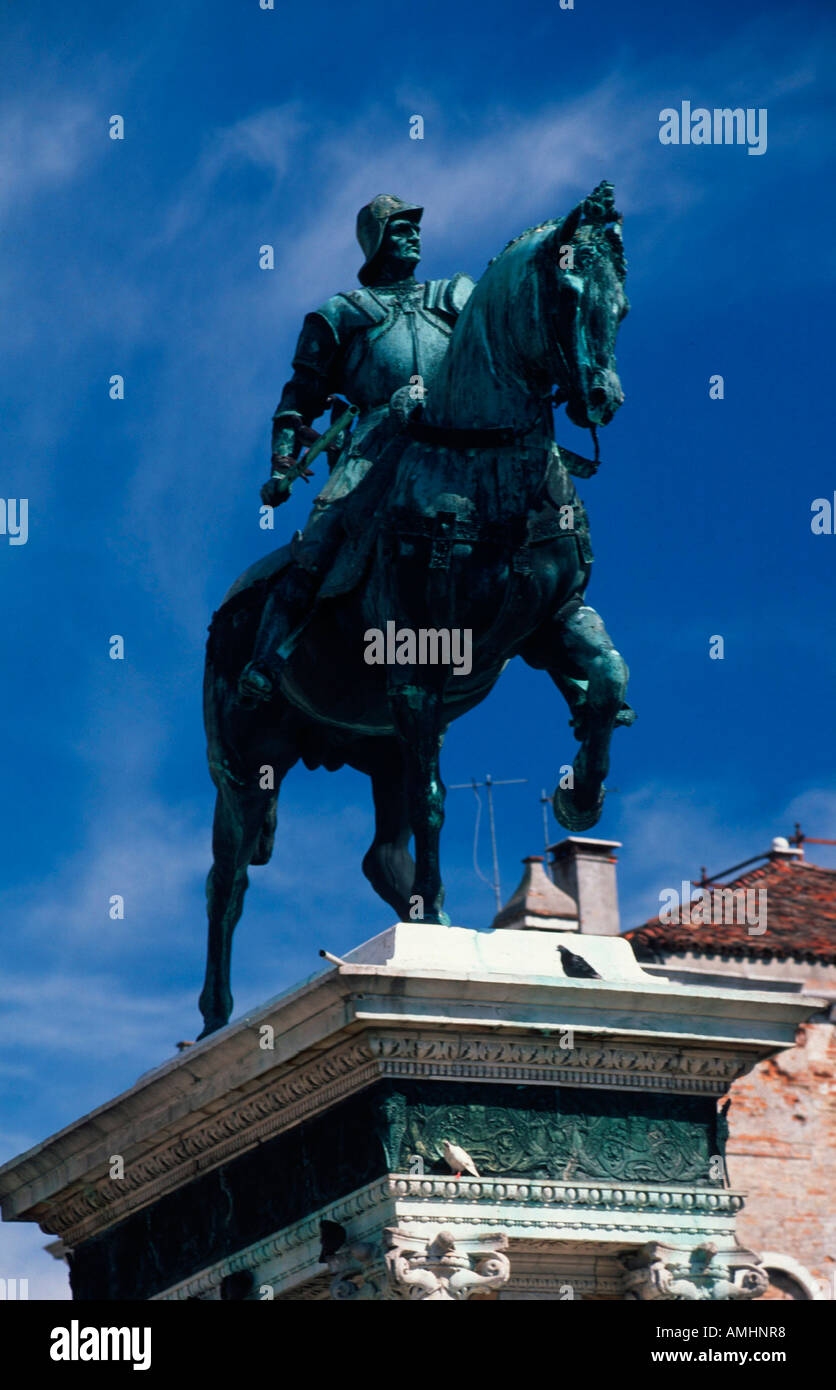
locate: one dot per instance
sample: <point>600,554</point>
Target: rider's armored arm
<point>304,396</point>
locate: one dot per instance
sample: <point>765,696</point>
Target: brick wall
<point>782,1152</point>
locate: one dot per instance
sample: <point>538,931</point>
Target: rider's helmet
<point>371,225</point>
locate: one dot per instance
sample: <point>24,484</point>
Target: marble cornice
<point>225,1093</point>
<point>291,1094</point>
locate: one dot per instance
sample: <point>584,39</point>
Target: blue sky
<point>140,257</point>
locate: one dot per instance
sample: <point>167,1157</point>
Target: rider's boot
<point>285,614</point>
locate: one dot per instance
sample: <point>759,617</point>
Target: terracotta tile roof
<point>800,920</point>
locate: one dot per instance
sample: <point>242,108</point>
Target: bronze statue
<point>456,511</point>
<point>365,345</point>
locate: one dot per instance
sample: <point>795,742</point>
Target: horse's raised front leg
<point>416,708</point>
<point>243,820</point>
<point>578,646</point>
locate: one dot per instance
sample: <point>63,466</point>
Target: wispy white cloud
<point>265,141</point>
<point>89,1016</point>
<point>45,142</point>
<point>670,834</point>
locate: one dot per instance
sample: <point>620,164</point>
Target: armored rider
<point>365,345</point>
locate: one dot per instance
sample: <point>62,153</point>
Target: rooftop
<point>800,917</point>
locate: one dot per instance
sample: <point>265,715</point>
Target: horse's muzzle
<point>600,403</point>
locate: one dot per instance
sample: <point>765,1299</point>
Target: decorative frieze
<point>563,1058</point>
<point>316,1083</point>
<point>547,1133</point>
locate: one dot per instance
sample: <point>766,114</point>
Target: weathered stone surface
<point>539,1132</point>
<point>702,1273</point>
<point>588,1105</point>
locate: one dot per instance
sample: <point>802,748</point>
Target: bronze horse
<point>471,522</point>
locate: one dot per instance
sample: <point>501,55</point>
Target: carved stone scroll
<point>658,1271</point>
<point>406,1268</point>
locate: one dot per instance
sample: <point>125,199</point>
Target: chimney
<point>537,903</point>
<point>585,869</point>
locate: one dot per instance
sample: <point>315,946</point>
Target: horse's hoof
<point>212,1026</point>
<point>570,816</point>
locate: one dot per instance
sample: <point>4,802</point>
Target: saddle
<point>363,513</point>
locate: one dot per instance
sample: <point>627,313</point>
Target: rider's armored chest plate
<point>409,340</point>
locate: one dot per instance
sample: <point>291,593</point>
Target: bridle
<point>560,397</point>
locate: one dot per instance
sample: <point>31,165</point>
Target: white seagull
<point>459,1161</point>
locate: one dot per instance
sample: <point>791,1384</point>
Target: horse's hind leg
<point>243,818</point>
<point>388,865</point>
<point>417,715</point>
<point>576,644</point>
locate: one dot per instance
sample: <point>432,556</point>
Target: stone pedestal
<point>298,1153</point>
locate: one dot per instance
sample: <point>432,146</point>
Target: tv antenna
<point>489,784</point>
<point>545,802</point>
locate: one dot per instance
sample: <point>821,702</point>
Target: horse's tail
<point>228,648</point>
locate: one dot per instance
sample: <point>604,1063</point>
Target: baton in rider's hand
<point>277,488</point>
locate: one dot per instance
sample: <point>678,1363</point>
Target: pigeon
<point>575,966</point>
<point>333,1239</point>
<point>459,1161</point>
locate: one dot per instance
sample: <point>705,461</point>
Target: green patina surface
<point>524,1131</point>
<point>449,507</point>
<point>560,1134</point>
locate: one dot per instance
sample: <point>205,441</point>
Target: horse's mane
<point>529,231</point>
<point>599,230</point>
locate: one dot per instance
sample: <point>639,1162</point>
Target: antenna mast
<point>489,784</point>
<point>545,802</point>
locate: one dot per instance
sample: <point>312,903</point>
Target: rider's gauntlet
<point>284,437</point>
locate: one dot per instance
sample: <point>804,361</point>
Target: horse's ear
<point>600,205</point>
<point>571,224</point>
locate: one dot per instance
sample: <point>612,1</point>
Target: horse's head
<point>587,255</point>
<point>544,314</point>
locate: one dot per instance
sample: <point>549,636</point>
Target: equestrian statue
<point>449,507</point>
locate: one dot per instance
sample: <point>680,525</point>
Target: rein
<point>456,438</point>
<point>557,399</point>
